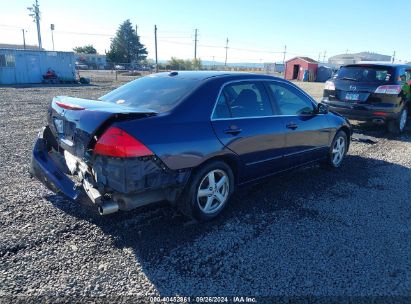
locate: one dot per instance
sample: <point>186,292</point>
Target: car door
<point>245,122</point>
<point>307,136</point>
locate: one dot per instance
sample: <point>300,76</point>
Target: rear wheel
<point>208,191</point>
<point>337,151</point>
<point>397,126</point>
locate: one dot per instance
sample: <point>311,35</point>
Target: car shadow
<point>368,132</point>
<point>156,234</point>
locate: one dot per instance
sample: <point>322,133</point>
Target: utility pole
<point>52,35</point>
<point>155,44</point>
<point>35,13</point>
<point>285,52</point>
<point>195,44</point>
<point>136,30</point>
<point>319,56</point>
<point>226,51</point>
<point>393,57</point>
<point>24,39</point>
<point>325,53</point>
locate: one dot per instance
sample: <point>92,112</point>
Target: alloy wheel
<point>338,151</point>
<point>403,119</point>
<point>213,191</point>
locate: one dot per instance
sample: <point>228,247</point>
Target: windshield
<point>365,73</point>
<point>154,93</point>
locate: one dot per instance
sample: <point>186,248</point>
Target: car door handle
<point>233,131</point>
<point>291,126</point>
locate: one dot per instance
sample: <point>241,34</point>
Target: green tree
<point>197,64</point>
<point>125,46</point>
<point>181,64</point>
<point>87,49</point>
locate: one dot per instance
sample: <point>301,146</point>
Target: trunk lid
<point>352,91</point>
<point>75,122</point>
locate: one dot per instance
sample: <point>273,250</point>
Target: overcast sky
<point>257,30</point>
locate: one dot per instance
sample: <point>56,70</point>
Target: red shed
<point>294,68</point>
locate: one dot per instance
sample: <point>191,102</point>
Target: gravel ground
<point>312,232</point>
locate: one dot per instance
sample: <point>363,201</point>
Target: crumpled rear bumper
<point>44,168</point>
<point>126,183</point>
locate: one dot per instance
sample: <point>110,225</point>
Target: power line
<point>86,34</point>
<point>164,38</point>
<point>257,51</point>
<point>10,26</point>
<point>111,35</point>
<point>174,42</point>
<point>176,32</point>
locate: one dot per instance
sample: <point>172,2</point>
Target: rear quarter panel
<point>183,138</point>
<point>336,123</point>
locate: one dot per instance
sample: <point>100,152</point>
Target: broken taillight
<point>118,143</point>
<point>69,106</point>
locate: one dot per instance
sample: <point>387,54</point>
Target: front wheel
<point>338,150</point>
<point>397,126</point>
<point>208,191</point>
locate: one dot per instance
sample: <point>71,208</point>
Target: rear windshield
<point>365,74</point>
<point>152,93</point>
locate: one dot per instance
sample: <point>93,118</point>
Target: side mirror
<point>321,109</point>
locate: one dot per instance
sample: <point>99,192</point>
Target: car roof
<point>203,75</point>
<point>381,64</point>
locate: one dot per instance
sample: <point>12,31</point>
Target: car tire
<point>397,126</point>
<point>337,151</point>
<point>204,200</point>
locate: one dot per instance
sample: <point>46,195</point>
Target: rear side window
<point>221,109</point>
<point>365,73</point>
<point>243,99</point>
<point>289,101</point>
<point>159,94</point>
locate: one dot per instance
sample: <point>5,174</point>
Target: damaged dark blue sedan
<point>189,138</point>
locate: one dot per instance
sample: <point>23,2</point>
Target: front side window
<point>289,101</point>
<point>243,99</point>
